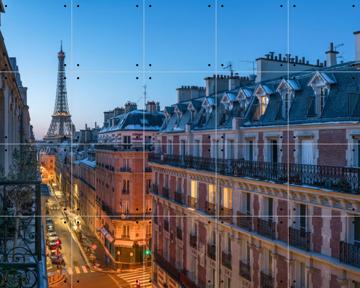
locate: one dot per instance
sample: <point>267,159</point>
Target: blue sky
<point>179,38</point>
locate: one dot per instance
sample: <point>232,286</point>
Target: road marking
<point>77,270</point>
<point>69,270</point>
<point>84,269</point>
<point>137,276</point>
<point>112,278</point>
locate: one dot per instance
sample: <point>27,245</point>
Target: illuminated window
<point>264,101</point>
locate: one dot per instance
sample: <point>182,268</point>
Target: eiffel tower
<point>61,127</point>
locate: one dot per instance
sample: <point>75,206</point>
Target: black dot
<point>137,6</point>
<point>352,6</point>
<point>222,5</point>
<point>294,5</point>
<point>281,5</point>
<point>78,77</point>
<point>209,65</point>
<point>209,5</point>
<point>137,78</point>
<point>137,65</point>
<point>222,65</point>
<point>64,65</point>
<point>150,78</point>
<point>65,5</point>
<point>78,5</point>
<point>77,65</point>
<point>150,6</point>
<point>64,77</point>
<point>5,5</point>
<point>281,64</point>
<point>150,65</point>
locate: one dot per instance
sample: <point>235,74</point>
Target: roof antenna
<point>230,68</point>
<point>61,46</point>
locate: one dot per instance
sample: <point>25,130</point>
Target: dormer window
<point>287,89</point>
<point>321,83</point>
<point>228,101</point>
<point>244,97</point>
<point>263,93</point>
<point>264,101</point>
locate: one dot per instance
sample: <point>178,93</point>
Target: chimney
<point>357,45</point>
<point>331,55</point>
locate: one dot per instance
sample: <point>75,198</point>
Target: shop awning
<point>141,243</point>
<point>124,243</point>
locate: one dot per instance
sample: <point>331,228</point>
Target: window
<point>179,258</point>
<point>267,262</point>
<point>245,252</point>
<point>273,151</point>
<point>356,226</point>
<point>270,205</point>
<point>300,275</point>
<point>196,148</point>
<point>194,189</point>
<point>249,150</point>
<point>230,149</point>
<point>302,217</point>
<point>148,186</point>
<point>228,244</point>
<point>211,193</point>
<point>264,101</point>
<point>170,147</point>
<point>248,204</point>
<point>148,231</point>
<point>166,248</point>
<point>126,232</point>
<point>124,206</point>
<point>126,187</point>
<point>356,152</point>
<point>182,148</point>
<point>227,197</point>
<point>307,152</point>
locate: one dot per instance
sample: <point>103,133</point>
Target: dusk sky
<point>106,38</point>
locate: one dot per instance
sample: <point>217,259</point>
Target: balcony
<point>125,169</point>
<point>341,179</point>
<point>266,281</point>
<point>166,225</point>
<point>125,191</point>
<point>226,214</point>
<point>210,208</point>
<point>193,240</point>
<point>350,253</point>
<point>226,259</point>
<point>299,238</point>
<point>22,253</point>
<point>165,192</point>
<point>211,251</point>
<point>166,266</point>
<point>179,198</point>
<point>265,227</point>
<point>179,233</point>
<point>192,202</point>
<point>245,270</point>
<point>244,221</point>
<point>155,189</point>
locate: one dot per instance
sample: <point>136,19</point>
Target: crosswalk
<point>134,277</point>
<point>78,270</point>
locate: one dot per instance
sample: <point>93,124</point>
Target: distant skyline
<point>103,41</point>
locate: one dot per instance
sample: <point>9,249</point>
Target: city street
<point>77,272</point>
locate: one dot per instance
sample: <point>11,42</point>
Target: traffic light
<point>147,252</point>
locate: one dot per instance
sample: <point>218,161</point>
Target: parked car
<point>51,234</point>
<point>54,245</point>
<point>57,258</point>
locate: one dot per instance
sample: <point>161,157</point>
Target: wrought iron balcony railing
<point>211,251</point>
<point>226,214</point>
<point>266,281</point>
<point>337,178</point>
<point>125,169</point>
<point>210,208</point>
<point>266,228</point>
<point>22,249</point>
<point>226,259</point>
<point>244,221</point>
<point>167,266</point>
<point>350,253</point>
<point>179,198</point>
<point>245,270</point>
<point>193,240</point>
<point>299,238</point>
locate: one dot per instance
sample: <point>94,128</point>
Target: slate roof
<point>134,120</point>
<point>342,103</point>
